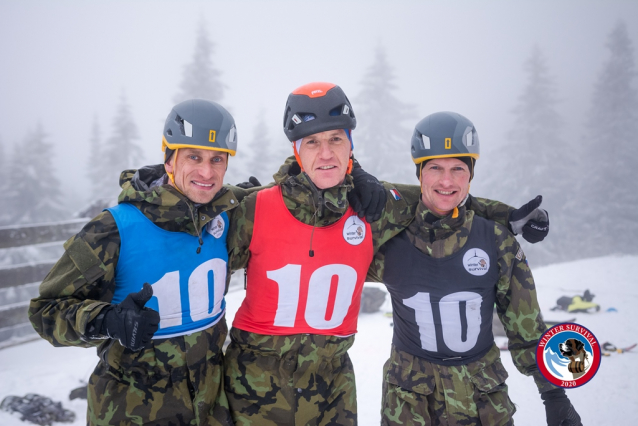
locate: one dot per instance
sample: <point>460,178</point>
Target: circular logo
<point>216,227</point>
<point>568,355</point>
<point>476,261</point>
<point>354,230</point>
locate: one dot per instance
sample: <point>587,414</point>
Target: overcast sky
<point>64,62</point>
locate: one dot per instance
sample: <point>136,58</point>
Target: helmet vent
<point>336,111</point>
<point>470,137</point>
<point>426,142</point>
<point>188,129</point>
<point>169,132</point>
<point>306,116</point>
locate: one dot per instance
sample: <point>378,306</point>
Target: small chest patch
<point>476,262</point>
<point>354,230</point>
<point>216,227</point>
<point>519,255</point>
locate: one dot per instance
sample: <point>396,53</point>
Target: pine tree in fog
<point>33,190</point>
<point>97,167</point>
<point>536,159</point>
<point>266,155</point>
<point>200,78</point>
<point>609,187</point>
<point>384,125</point>
<point>120,151</point>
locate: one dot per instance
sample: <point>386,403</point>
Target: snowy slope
<point>610,398</point>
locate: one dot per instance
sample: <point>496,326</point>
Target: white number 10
<point>450,319</point>
<point>169,299</point>
<point>288,280</point>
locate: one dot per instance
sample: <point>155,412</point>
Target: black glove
<point>130,322</point>
<point>558,410</point>
<point>368,196</point>
<point>252,182</point>
<point>531,221</point>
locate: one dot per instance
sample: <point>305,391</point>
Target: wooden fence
<point>19,283</point>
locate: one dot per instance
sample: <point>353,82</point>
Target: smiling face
<point>445,182</point>
<point>198,173</point>
<point>325,157</point>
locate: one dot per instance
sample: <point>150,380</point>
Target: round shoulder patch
<point>476,261</point>
<point>354,230</point>
<point>216,227</point>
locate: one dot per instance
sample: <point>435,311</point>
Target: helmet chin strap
<point>171,176</point>
<point>294,147</point>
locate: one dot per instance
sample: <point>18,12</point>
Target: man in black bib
<point>445,273</point>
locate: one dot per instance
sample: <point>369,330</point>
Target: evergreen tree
<point>95,171</point>
<point>120,152</point>
<point>382,138</point>
<point>536,159</point>
<point>201,79</point>
<point>266,155</point>
<point>609,187</point>
<point>34,190</point>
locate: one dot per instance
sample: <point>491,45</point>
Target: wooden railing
<point>19,283</point>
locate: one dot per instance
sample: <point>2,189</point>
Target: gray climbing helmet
<point>444,134</point>
<point>317,107</point>
<point>197,123</point>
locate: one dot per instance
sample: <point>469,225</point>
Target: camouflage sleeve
<point>241,193</point>
<point>240,232</point>
<point>79,285</point>
<point>490,209</point>
<point>375,271</point>
<point>399,211</point>
<point>517,306</point>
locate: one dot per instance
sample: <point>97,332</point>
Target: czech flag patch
<point>395,194</point>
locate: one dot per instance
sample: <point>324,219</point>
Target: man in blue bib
<point>144,282</point>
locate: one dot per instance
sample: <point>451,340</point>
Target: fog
<point>66,62</point>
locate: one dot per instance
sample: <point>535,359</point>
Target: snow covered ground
<point>610,398</point>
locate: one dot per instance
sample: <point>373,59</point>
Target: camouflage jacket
<point>303,199</point>
<point>82,282</point>
<point>516,303</point>
<point>321,207</point>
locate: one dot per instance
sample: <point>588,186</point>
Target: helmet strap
<point>349,166</point>
<point>294,147</point>
<point>171,176</point>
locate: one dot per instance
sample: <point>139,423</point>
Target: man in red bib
<point>306,253</point>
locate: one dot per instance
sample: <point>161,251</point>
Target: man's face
<point>325,157</point>
<point>445,182</point>
<point>198,173</point>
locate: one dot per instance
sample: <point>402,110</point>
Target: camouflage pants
<point>418,392</point>
<point>173,381</point>
<point>302,379</point>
